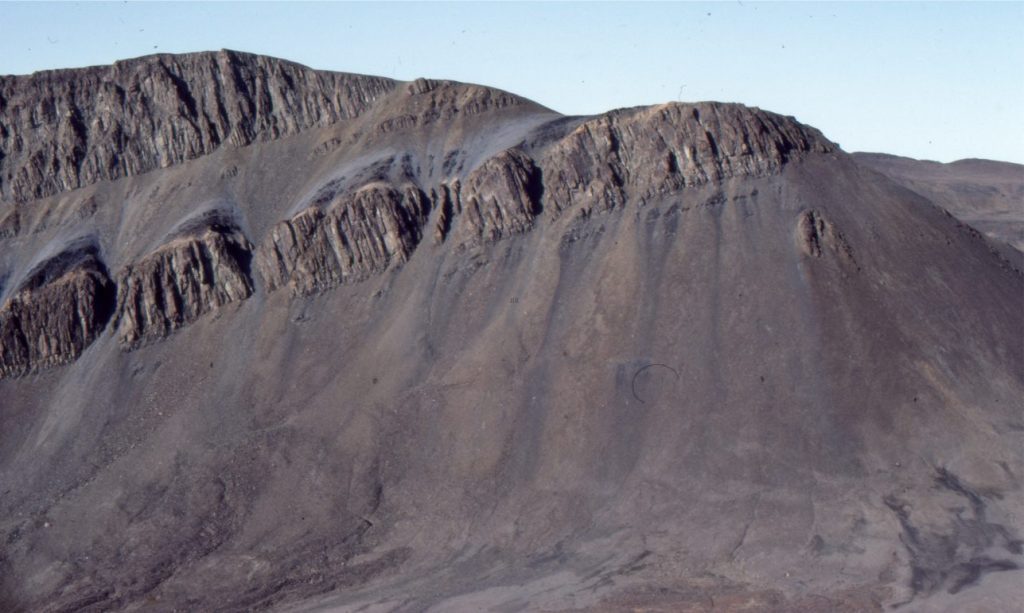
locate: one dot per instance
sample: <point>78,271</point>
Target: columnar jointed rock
<point>360,234</point>
<point>640,153</point>
<point>498,199</point>
<point>64,129</point>
<point>189,276</point>
<point>56,313</point>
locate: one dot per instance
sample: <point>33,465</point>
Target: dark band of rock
<point>498,199</point>
<point>650,151</point>
<point>179,282</point>
<point>360,234</point>
<point>56,313</point>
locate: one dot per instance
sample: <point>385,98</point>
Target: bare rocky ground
<point>275,338</point>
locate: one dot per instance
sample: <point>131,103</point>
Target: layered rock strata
<point>61,130</point>
<point>430,101</point>
<point>61,307</point>
<point>498,199</point>
<point>64,129</point>
<point>189,276</point>
<point>642,153</point>
<point>635,154</point>
<point>358,234</point>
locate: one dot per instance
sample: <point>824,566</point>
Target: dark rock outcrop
<point>61,307</point>
<point>817,235</point>
<point>189,276</point>
<point>498,199</point>
<point>10,224</point>
<point>646,152</point>
<point>358,234</point>
<point>64,129</point>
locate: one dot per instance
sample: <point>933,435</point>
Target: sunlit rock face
<point>65,129</point>
<point>183,279</point>
<point>355,235</point>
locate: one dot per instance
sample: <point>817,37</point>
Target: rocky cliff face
<point>357,234</point>
<point>186,106</point>
<point>498,199</point>
<point>648,152</point>
<point>61,307</point>
<point>637,154</point>
<point>189,276</point>
<point>64,129</point>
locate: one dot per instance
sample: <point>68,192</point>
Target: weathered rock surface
<point>10,224</point>
<point>189,276</point>
<point>357,234</point>
<point>647,152</point>
<point>56,312</point>
<point>432,101</point>
<point>816,235</point>
<point>63,129</point>
<point>498,199</point>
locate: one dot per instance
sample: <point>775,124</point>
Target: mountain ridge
<point>585,169</point>
<point>459,352</point>
<point>160,88</point>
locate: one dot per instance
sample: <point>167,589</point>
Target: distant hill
<point>986,194</point>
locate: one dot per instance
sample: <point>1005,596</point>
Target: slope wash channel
<point>334,342</point>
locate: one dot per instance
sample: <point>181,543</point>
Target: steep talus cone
<point>179,282</point>
<point>61,308</point>
<point>65,129</point>
<point>652,151</point>
<point>358,234</point>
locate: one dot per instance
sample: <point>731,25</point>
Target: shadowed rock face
<point>817,235</point>
<point>382,346</point>
<point>56,312</point>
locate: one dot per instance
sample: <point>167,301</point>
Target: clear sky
<point>939,81</point>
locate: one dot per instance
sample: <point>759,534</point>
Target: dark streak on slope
<point>956,557</point>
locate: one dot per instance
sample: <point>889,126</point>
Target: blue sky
<point>929,80</point>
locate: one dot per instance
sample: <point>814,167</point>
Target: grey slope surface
<point>715,364</point>
<point>988,195</point>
